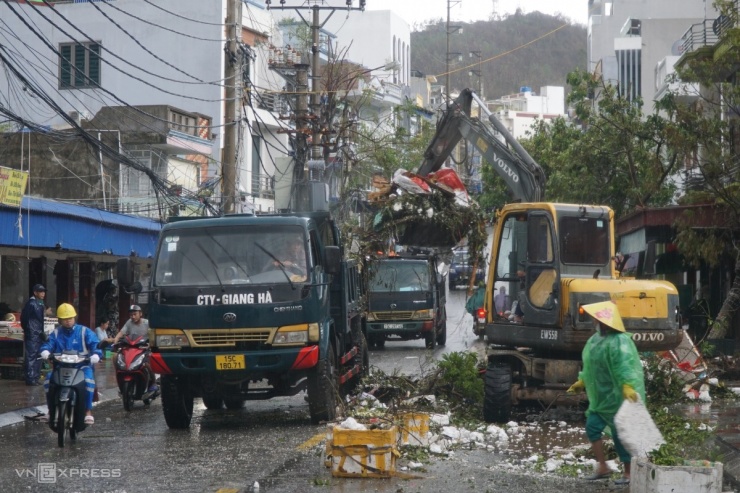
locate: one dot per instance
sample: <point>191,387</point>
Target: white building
<point>126,52</point>
<point>518,112</point>
<point>628,38</point>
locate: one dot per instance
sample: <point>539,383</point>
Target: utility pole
<point>450,30</point>
<point>310,112</point>
<point>477,72</point>
<point>316,150</point>
<point>232,80</point>
<point>470,156</point>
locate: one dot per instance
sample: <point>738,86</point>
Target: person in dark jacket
<point>32,322</point>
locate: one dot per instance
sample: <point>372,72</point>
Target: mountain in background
<point>545,62</point>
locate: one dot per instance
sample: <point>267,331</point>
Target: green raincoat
<point>609,362</point>
<point>476,300</point>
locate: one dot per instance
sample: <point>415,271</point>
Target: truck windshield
<point>224,256</point>
<point>399,276</point>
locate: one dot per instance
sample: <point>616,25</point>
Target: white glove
<point>45,354</point>
<point>94,359</point>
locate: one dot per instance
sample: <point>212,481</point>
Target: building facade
<point>627,39</point>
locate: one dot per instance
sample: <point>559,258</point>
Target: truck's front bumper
<point>255,362</point>
<point>406,329</point>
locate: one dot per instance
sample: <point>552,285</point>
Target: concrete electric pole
<point>316,156</point>
<point>451,29</point>
<point>232,93</point>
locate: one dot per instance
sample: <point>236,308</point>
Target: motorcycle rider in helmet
<point>70,335</point>
<point>137,326</point>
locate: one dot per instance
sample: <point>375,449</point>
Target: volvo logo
<point>229,317</point>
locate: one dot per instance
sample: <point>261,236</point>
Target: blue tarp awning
<point>49,224</point>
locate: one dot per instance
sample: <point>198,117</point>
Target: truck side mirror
<point>125,271</point>
<point>332,259</point>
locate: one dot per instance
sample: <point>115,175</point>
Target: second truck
<point>553,258</point>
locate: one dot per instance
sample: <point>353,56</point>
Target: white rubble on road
<point>352,424</point>
<point>440,419</point>
<point>426,399</point>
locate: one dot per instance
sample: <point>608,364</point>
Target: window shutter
<point>79,58</point>
<point>94,65</point>
<point>65,75</point>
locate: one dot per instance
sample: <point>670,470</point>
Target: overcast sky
<point>418,11</point>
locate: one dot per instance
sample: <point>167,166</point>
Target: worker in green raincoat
<point>476,299</point>
<point>612,372</point>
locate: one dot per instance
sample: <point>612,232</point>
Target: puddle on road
<point>559,431</point>
<point>548,435</point>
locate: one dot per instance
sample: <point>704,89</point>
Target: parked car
<point>461,269</point>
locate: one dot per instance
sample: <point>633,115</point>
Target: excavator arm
<point>524,177</point>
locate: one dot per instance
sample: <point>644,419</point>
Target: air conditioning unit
<point>79,116</point>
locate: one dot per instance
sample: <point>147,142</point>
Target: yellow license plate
<point>230,362</point>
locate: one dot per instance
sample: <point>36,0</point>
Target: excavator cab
<point>538,246</point>
<point>526,262</point>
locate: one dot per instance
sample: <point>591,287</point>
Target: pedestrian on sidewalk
<point>612,372</point>
<point>102,332</point>
<point>71,336</point>
<point>32,322</point>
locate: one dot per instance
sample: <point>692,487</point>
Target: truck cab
<point>248,307</point>
<point>406,300</point>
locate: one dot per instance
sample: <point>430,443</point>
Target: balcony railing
<point>698,36</point>
<point>263,187</point>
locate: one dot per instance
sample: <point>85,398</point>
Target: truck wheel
<point>497,399</point>
<point>213,401</point>
<point>442,335</point>
<point>177,402</point>
<point>430,339</point>
<point>234,403</point>
<point>322,389</point>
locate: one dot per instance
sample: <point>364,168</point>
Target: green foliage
<point>433,217</point>
<point>616,156</point>
<point>683,439</point>
<point>707,349</point>
<point>661,386</point>
<point>416,454</point>
<point>461,377</point>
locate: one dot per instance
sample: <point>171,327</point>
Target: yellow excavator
<point>553,259</point>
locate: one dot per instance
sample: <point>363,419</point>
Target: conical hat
<point>607,313</point>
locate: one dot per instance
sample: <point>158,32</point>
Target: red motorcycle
<point>133,372</point>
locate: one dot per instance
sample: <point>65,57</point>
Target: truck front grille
<point>393,315</point>
<point>228,337</point>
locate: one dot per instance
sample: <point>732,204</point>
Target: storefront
<point>72,250</point>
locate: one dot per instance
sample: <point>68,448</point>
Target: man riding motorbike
<point>137,327</point>
<point>75,337</point>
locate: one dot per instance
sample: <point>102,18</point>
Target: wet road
<point>268,443</point>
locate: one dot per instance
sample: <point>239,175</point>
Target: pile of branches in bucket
<point>434,211</point>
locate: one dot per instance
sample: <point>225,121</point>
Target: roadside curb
<point>18,415</point>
